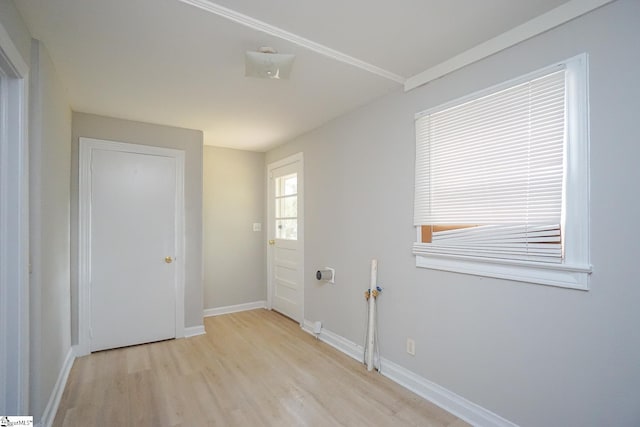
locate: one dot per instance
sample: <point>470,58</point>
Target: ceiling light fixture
<point>267,63</point>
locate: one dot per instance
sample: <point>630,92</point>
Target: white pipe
<point>372,314</point>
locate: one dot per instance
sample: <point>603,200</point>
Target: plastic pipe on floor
<point>372,315</point>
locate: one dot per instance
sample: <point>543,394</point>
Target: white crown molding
<point>258,25</point>
<point>545,22</point>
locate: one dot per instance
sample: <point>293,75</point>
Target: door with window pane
<point>285,267</point>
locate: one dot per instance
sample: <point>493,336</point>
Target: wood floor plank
<point>255,368</point>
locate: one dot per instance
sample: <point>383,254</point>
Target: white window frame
<point>575,270</point>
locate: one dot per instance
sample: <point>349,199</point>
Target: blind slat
<point>496,160</point>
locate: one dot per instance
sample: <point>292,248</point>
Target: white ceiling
<point>168,62</point>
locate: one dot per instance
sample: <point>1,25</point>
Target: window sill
<point>560,275</point>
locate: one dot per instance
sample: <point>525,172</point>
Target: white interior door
<point>286,277</point>
<point>133,247</point>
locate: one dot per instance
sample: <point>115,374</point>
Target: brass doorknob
<point>272,242</point>
<point>168,260</point>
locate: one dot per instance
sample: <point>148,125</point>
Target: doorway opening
<point>14,231</point>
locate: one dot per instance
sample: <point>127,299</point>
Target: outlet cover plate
<point>411,346</point>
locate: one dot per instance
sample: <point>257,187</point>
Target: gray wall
<point>93,126</point>
<point>15,26</point>
<point>234,268</point>
<point>49,162</point>
<point>536,355</point>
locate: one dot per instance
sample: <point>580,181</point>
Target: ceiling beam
<point>545,22</point>
<point>258,25</point>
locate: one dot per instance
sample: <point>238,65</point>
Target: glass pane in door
<point>286,207</point>
<point>287,229</point>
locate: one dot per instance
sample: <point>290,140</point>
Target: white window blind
<point>491,171</point>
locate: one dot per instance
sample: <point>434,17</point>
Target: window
<point>502,181</point>
<point>286,203</point>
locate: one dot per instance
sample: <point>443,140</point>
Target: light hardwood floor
<point>255,368</point>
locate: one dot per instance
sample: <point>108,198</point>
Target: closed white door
<point>133,245</point>
<point>285,230</point>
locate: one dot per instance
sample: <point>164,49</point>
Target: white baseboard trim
<point>51,409</point>
<point>234,308</point>
<point>434,393</point>
<point>336,341</point>
<point>459,406</point>
<point>194,331</point>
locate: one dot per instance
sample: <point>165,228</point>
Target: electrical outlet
<point>411,346</point>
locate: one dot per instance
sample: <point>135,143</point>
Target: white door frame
<point>271,232</point>
<point>14,230</point>
<point>87,146</point>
